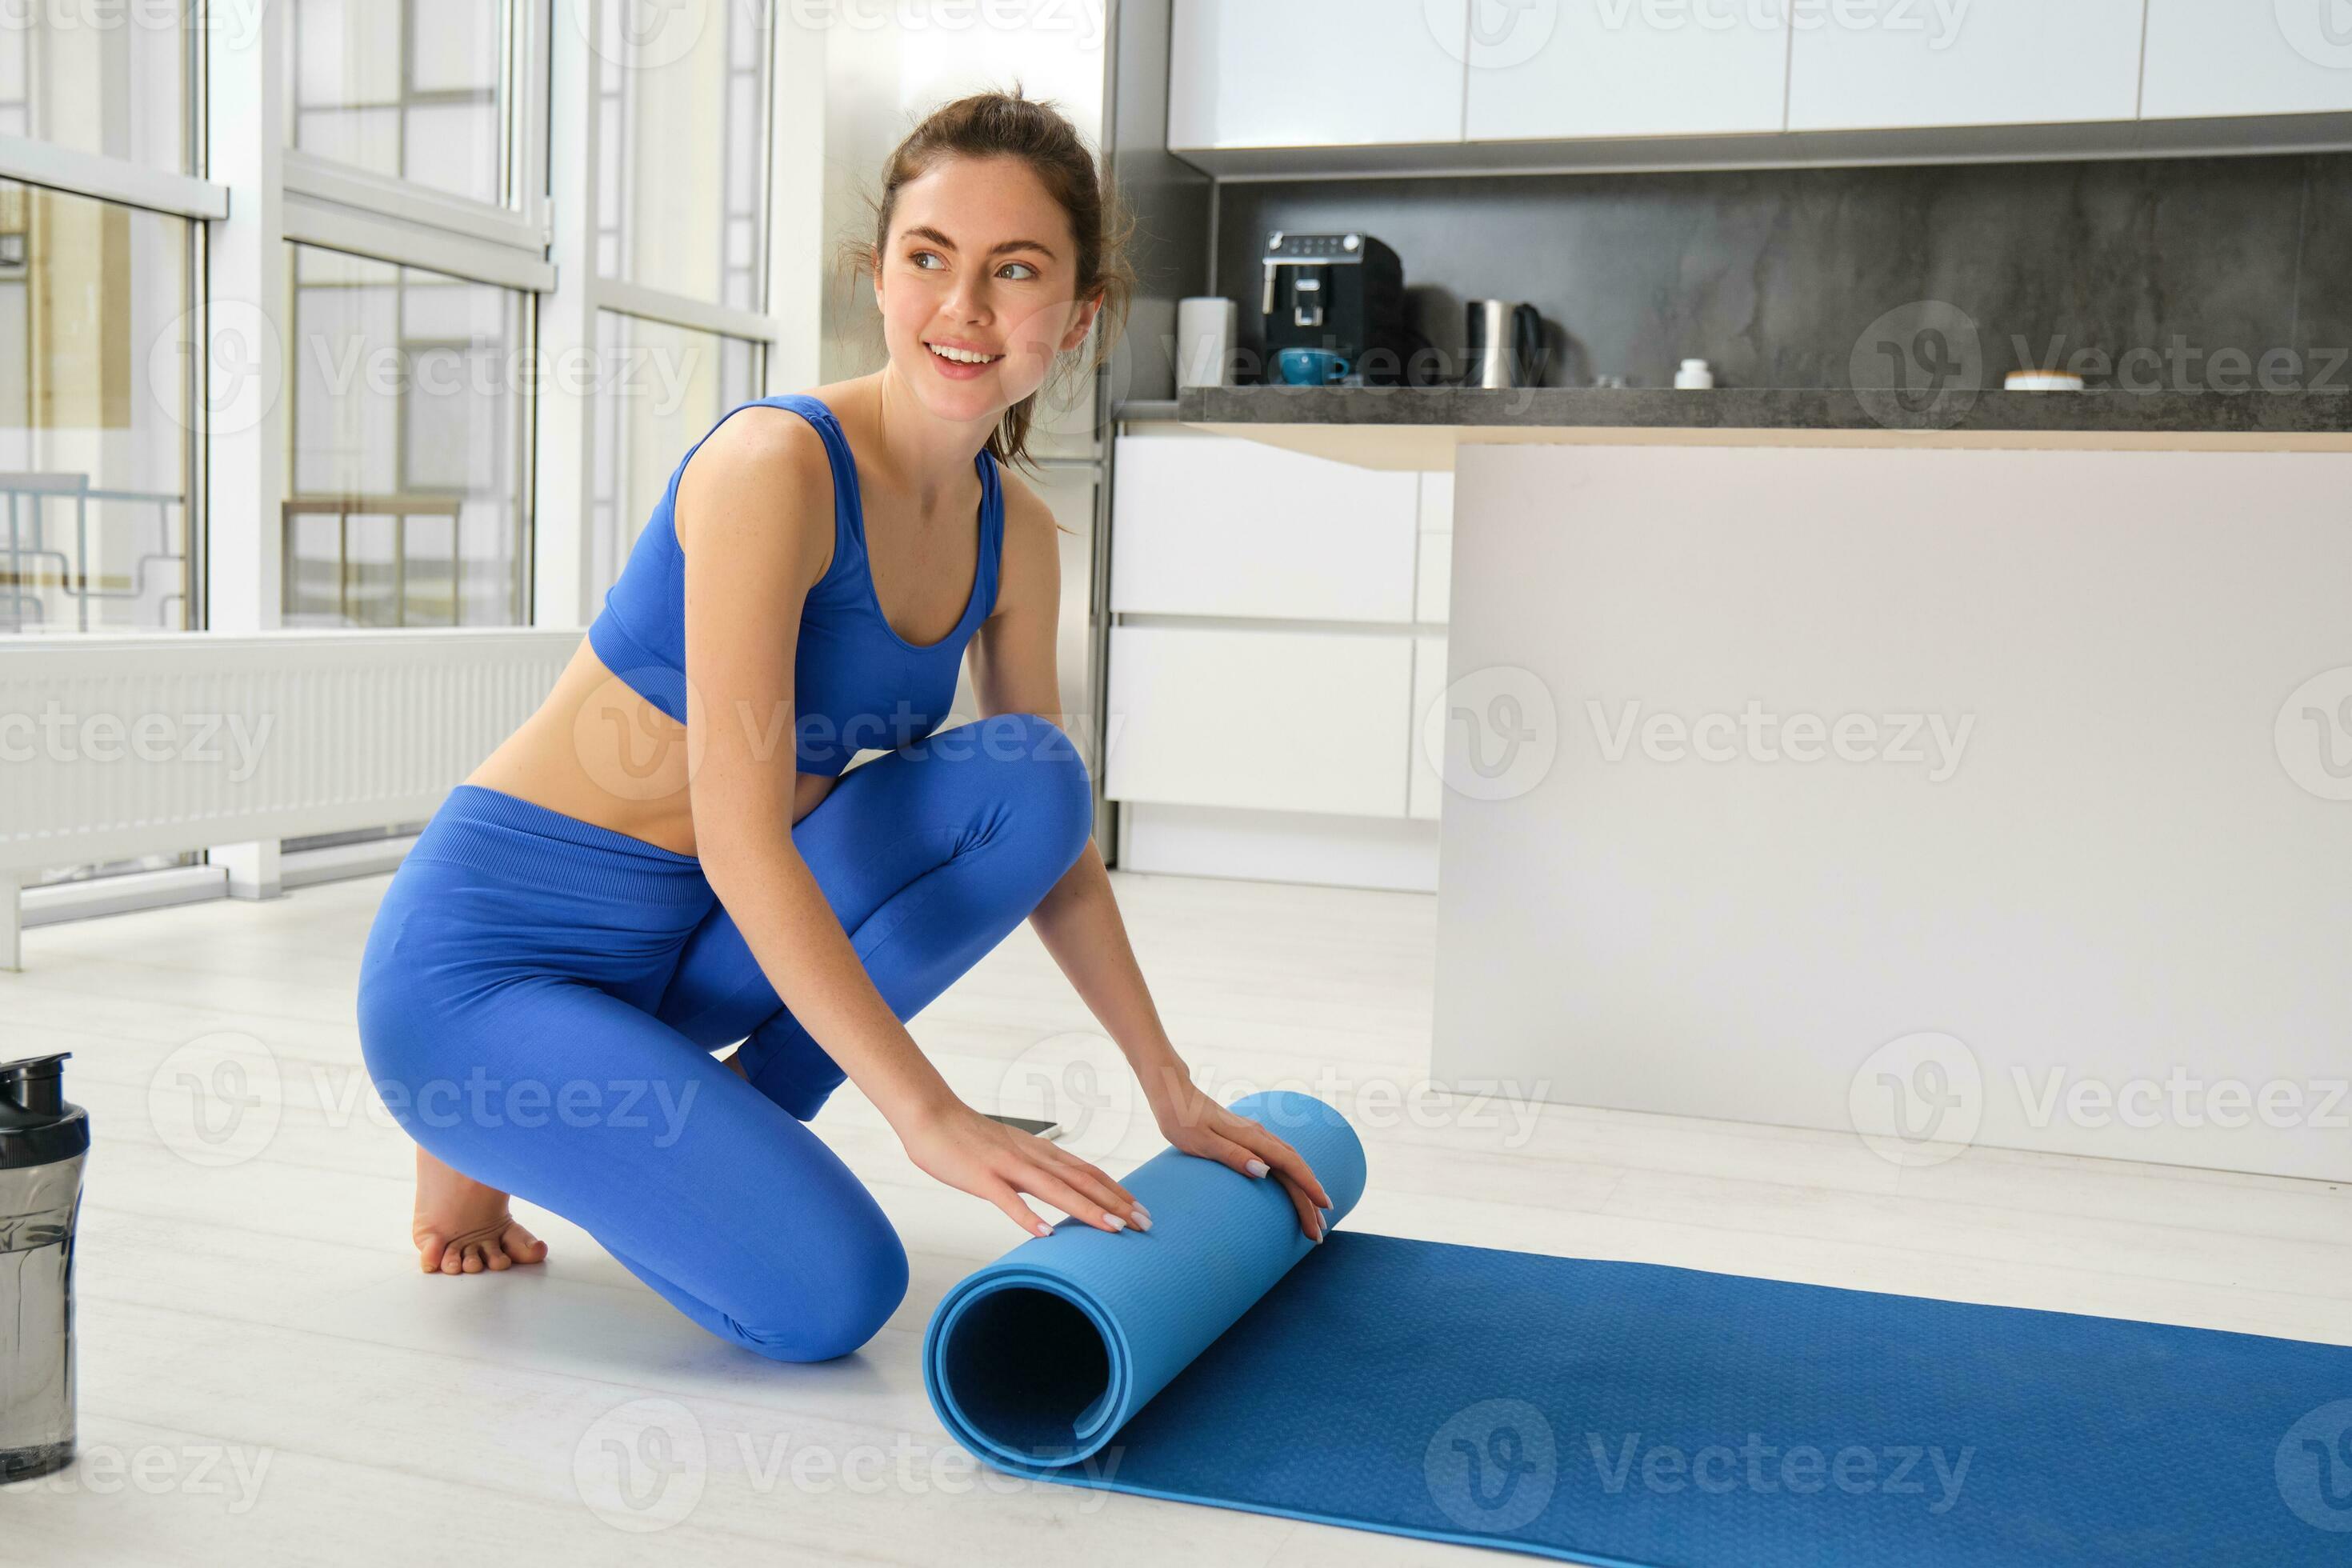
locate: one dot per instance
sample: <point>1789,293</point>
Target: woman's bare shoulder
<point>760,479</point>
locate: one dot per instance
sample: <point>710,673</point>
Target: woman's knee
<point>841,1307</point>
<point>1047,779</point>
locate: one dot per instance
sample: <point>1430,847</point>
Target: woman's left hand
<point>1198,1125</point>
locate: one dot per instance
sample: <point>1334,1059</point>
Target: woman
<point>578,929</point>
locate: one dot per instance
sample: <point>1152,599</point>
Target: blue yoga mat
<point>1622,1415</point>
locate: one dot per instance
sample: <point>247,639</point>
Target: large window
<point>411,89</point>
<point>95,370</point>
<point>682,123</point>
<point>105,79</point>
<point>428,191</point>
<point>663,387</point>
<point>680,242</point>
<point>404,501</point>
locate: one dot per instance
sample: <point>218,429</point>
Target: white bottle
<point>1695,376</point>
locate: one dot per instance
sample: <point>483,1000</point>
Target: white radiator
<point>118,746</point>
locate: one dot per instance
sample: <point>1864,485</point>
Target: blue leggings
<point>540,997</point>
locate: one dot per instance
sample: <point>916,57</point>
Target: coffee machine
<point>1343,293</point>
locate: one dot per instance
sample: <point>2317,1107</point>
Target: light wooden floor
<point>266,1378</point>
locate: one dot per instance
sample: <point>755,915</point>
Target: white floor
<point>265,1377</point>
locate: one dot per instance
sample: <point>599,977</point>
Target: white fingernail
<point>1256,1167</point>
<point>1114,1222</point>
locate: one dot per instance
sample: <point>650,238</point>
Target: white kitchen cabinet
<point>1277,721</point>
<point>1433,580</point>
<point>1623,68</point>
<point>1214,526</point>
<point>2218,58</point>
<point>1315,73</point>
<point>1432,577</point>
<point>1864,65</point>
<point>1425,787</point>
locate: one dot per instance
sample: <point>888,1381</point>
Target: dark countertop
<point>2114,412</point>
<point>1419,427</point>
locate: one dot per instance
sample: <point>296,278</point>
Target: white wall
<point>2141,861</point>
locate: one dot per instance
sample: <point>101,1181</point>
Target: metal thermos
<point>1506,342</point>
<point>43,1142</point>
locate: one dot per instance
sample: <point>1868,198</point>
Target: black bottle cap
<point>37,1127</point>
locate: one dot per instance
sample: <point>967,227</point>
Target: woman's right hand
<point>958,1145</point>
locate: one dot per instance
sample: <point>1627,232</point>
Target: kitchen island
<point>1978,773</point>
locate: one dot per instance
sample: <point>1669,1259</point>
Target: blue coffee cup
<point>1310,367</point>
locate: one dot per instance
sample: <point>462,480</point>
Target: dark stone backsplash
<point>1775,275</point>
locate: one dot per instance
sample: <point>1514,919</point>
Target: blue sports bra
<point>857,683</point>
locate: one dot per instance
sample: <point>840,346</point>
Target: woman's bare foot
<point>463,1226</point>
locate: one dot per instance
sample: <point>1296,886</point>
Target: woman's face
<point>982,264</point>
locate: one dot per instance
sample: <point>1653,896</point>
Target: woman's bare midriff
<point>598,752</point>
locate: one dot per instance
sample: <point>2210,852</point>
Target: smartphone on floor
<point>1027,1124</point>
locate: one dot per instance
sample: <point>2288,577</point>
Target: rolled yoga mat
<point>1622,1415</point>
